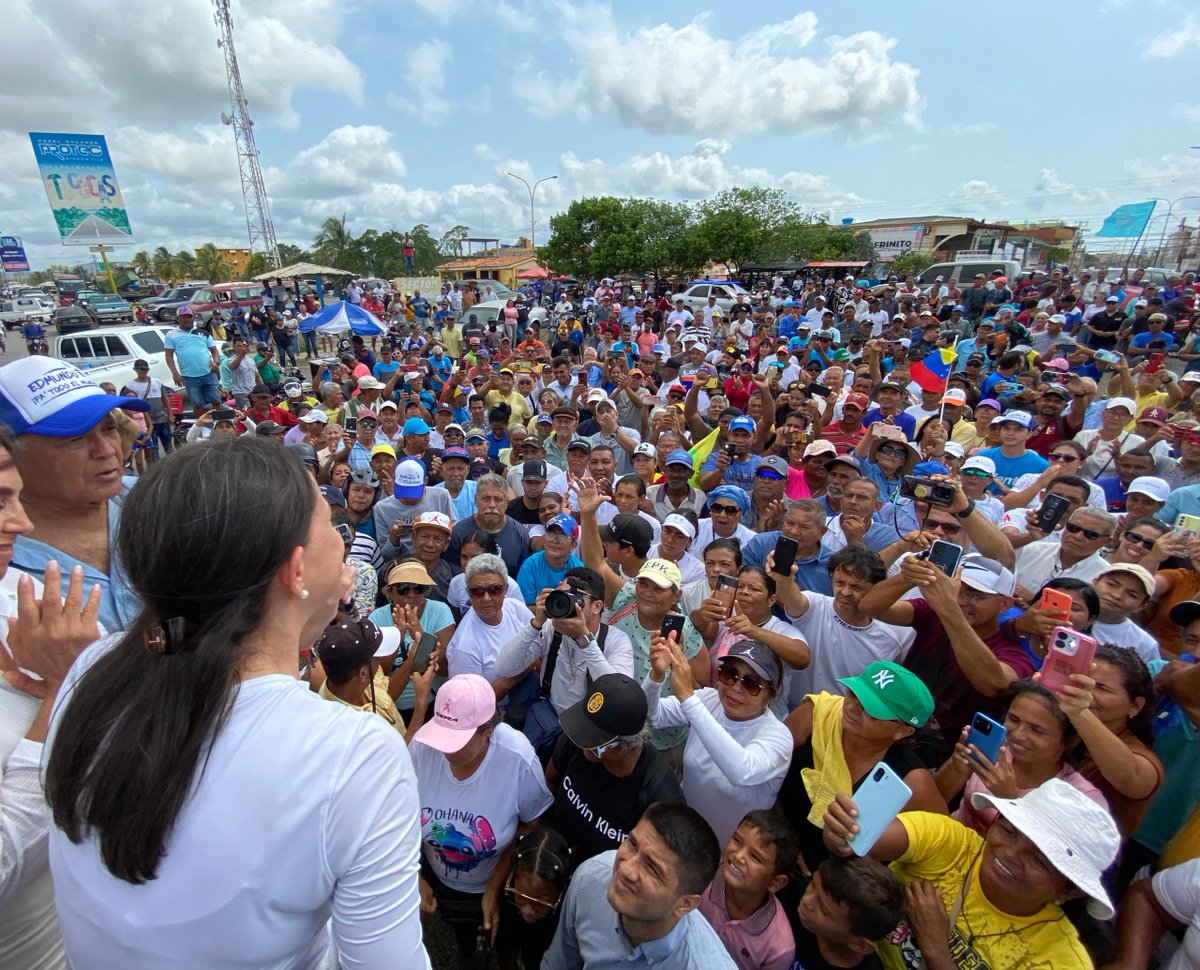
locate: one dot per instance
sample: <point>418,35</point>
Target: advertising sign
<point>82,188</point>
<point>12,255</point>
<point>893,242</point>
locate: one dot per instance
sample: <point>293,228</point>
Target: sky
<point>399,112</point>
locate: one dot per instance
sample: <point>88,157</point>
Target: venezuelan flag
<point>933,372</point>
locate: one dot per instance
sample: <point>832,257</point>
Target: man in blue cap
<point>416,434</point>
<point>71,462</point>
<point>676,493</point>
<point>733,463</point>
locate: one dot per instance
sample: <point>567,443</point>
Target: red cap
<point>858,399</point>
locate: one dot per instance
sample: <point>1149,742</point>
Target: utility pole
<point>259,227</point>
<point>532,191</point>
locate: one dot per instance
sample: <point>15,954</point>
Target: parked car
<point>224,297</point>
<point>101,351</point>
<point>109,308</point>
<point>12,312</point>
<point>493,310</point>
<point>696,295</point>
<point>165,306</point>
<point>72,319</point>
<point>962,273</point>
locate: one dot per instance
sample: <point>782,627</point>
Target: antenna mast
<point>259,227</point>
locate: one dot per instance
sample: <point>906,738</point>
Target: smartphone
<point>785,555</point>
<point>351,425</point>
<point>1051,512</point>
<point>819,389</point>
<point>712,384</point>
<point>345,532</point>
<point>424,649</point>
<point>945,555</point>
<point>731,451</point>
<point>726,589</point>
<point>1057,603</point>
<point>878,799</point>
<point>1188,526</point>
<point>673,623</point>
<point>1154,363</point>
<point>1071,652</point>
<point>1107,356</point>
<point>987,735</point>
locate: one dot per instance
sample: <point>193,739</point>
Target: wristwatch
<point>965,513</point>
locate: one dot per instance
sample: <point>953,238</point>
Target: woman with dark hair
<point>1032,629</point>
<point>498,420</point>
<point>209,809</point>
<point>538,881</point>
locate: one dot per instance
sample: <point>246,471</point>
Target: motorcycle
<point>35,338</point>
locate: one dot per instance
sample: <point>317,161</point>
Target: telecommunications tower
<point>258,214</point>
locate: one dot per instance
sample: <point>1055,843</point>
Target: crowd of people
<point>845,626</point>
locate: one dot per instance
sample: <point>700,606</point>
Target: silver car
<point>696,295</point>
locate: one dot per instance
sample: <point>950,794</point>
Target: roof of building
<point>496,259</point>
<point>912,221</point>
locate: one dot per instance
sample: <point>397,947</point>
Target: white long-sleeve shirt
<point>574,665</point>
<point>306,819</point>
<point>29,935</point>
<point>729,767</point>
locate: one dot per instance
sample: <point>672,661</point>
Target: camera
<point>561,603</point>
<point>927,490</point>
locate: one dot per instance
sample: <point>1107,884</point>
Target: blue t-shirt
<point>464,502</point>
<point>1008,470</point>
<point>739,473</point>
<point>1114,494</point>
<point>383,372</point>
<point>905,422</point>
<point>536,574</point>
<point>434,617</point>
<point>1143,339</point>
<point>192,348</point>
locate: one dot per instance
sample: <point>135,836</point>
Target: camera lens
<point>560,605</point>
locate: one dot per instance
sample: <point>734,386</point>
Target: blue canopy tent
<point>340,317</point>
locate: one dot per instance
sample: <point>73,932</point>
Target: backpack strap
<point>552,659</point>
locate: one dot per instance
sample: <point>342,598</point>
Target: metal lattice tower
<point>254,193</point>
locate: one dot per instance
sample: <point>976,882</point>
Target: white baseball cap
<point>681,524</point>
<point>981,462</point>
<point>1151,487</point>
<point>987,575</point>
<point>44,396</point>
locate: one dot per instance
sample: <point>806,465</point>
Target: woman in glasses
<point>837,739</point>
<point>727,506</point>
<point>737,751</point>
<point>1066,460</point>
<point>1147,541</point>
<point>492,620</point>
<point>478,543</point>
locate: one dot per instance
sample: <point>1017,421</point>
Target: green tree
<point>382,253</point>
<point>451,243</point>
<point>185,264</point>
<point>291,254</point>
<point>605,234</point>
<point>211,265</point>
<point>257,263</point>
<point>910,263</point>
<point>142,264</point>
<point>334,244</point>
<point>164,264</point>
<point>426,255</point>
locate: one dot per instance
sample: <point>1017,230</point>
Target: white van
<point>114,349</point>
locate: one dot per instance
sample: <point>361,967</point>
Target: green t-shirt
<point>268,372</point>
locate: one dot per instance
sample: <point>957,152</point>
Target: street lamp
<point>531,191</point>
<point>1167,222</point>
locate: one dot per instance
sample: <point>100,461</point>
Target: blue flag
<point>1127,220</point>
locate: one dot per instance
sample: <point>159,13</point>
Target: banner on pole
<point>1127,220</point>
<point>12,255</point>
<point>82,187</point>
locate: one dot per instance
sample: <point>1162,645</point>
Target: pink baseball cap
<point>465,702</point>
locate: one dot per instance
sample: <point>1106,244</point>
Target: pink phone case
<point>1071,652</point>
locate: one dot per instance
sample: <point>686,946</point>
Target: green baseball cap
<point>889,692</point>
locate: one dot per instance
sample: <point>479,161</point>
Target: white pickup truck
<point>108,354</point>
<point>13,312</point>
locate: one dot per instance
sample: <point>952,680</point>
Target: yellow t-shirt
<point>946,852</point>
<point>521,411</point>
<point>1153,399</point>
<point>385,707</point>
<point>965,434</point>
<point>452,341</point>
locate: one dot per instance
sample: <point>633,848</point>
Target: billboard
<point>895,241</point>
<point>12,255</point>
<point>82,188</point>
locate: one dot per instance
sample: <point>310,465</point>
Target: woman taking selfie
<point>209,809</point>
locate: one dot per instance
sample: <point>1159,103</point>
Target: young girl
<point>549,505</point>
<point>1034,751</point>
<point>532,894</point>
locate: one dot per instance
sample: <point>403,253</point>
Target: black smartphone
<point>351,425</point>
<point>819,389</point>
<point>731,451</point>
<point>424,648</point>
<point>673,623</point>
<point>945,555</point>
<point>785,555</point>
<point>1054,507</point>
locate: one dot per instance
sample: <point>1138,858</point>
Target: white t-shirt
<point>475,645</point>
<point>467,825</point>
<point>690,567</point>
<point>1178,892</point>
<point>1128,634</point>
<point>305,810</point>
<point>29,935</point>
<point>1101,463</point>
<point>729,767</point>
<point>704,535</point>
<point>839,649</point>
<point>1039,562</point>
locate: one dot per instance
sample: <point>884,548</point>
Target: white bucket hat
<point>1075,834</point>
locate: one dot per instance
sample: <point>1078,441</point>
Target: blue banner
<point>82,187</point>
<point>1127,220</point>
<point>12,255</point>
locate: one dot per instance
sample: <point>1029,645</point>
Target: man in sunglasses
<point>766,498</point>
<point>1079,555</point>
<point>976,474</point>
<point>1050,424</point>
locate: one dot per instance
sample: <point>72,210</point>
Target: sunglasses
<point>368,423</point>
<point>893,452</point>
<point>1140,540</point>
<point>724,509</point>
<point>751,683</point>
<point>948,528</point>
<point>601,750</point>
<point>769,475</point>
<point>408,589</point>
<point>481,591</point>
<point>975,473</point>
<point>1064,457</point>
<point>1087,533</point>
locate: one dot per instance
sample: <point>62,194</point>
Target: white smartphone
<point>879,799</point>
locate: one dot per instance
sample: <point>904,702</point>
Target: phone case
<point>673,623</point>
<point>1059,602</point>
<point>785,555</point>
<point>945,555</point>
<point>990,742</point>
<point>879,799</point>
<point>1188,524</point>
<point>1070,652</point>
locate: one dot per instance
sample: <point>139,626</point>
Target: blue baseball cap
<point>333,495</point>
<point>744,423</point>
<point>455,452</point>
<point>565,522</point>
<point>45,396</point>
<point>416,426</point>
<point>681,457</point>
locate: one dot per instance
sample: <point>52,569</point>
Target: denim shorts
<point>203,390</point>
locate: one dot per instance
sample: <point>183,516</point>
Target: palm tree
<point>142,263</point>
<point>211,264</point>
<point>334,244</point>
<point>185,264</point>
<point>164,264</point>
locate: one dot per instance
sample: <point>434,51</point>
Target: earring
<point>304,594</point>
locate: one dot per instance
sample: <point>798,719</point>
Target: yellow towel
<point>829,773</point>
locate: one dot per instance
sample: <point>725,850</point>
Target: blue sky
<point>412,111</point>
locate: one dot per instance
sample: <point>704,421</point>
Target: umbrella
<point>533,273</point>
<point>340,317</point>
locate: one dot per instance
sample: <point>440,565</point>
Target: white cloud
<point>443,11</point>
<point>1168,166</point>
<point>687,80</point>
<point>966,131</point>
<point>352,159</point>
<point>1176,40</point>
<point>424,70</point>
<point>977,192</point>
<point>1051,193</point>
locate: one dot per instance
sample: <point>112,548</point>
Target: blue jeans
<point>310,344</point>
<point>286,349</point>
<point>203,390</point>
<point>160,433</point>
